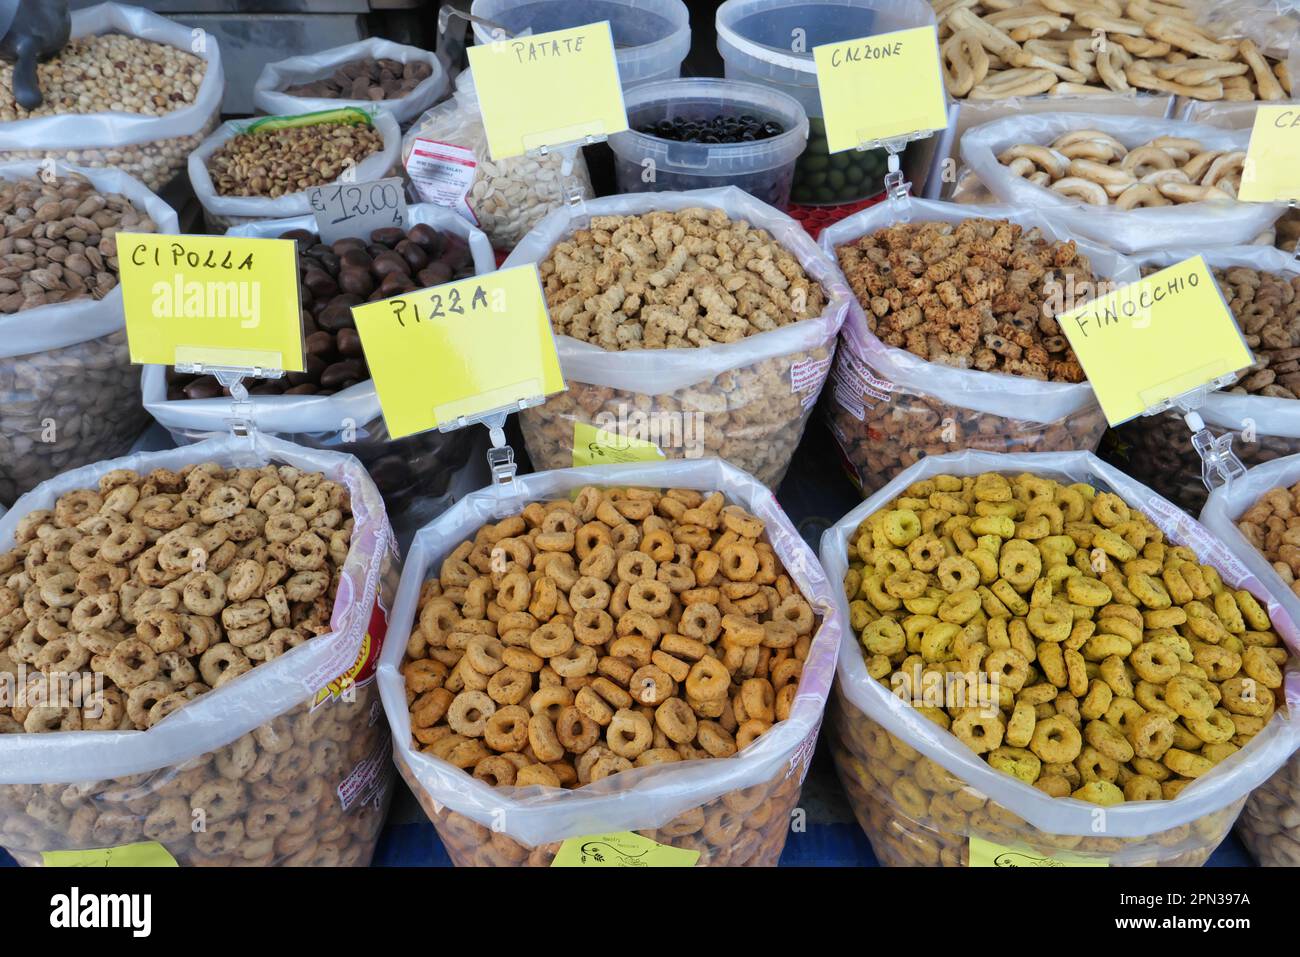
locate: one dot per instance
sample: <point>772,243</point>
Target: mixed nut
<point>274,161</point>
<point>366,79</point>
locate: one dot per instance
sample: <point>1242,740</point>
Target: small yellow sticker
<point>987,854</point>
<point>881,87</point>
<point>1272,169</point>
<point>142,854</point>
<point>460,349</point>
<point>217,300</point>
<point>623,849</point>
<point>1155,339</point>
<point>595,446</point>
<point>548,89</point>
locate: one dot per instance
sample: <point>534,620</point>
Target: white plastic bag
<point>469,812</point>
<point>66,365</point>
<point>348,421</point>
<point>1158,449</point>
<point>153,149</point>
<point>754,395</point>
<point>869,718</point>
<point>890,407</point>
<point>222,212</point>
<point>109,783</point>
<point>1126,230</point>
<point>269,95</point>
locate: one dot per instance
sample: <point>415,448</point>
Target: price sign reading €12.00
<point>881,88</point>
<point>460,349</point>
<point>214,300</point>
<point>1272,170</point>
<point>357,209</point>
<point>548,89</point>
<point>1155,339</point>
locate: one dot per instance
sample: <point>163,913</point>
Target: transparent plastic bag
<point>888,408</point>
<point>222,212</point>
<point>745,401</point>
<point>1125,230</point>
<point>505,198</point>
<point>68,392</point>
<point>923,796</point>
<point>733,810</point>
<point>279,773</point>
<point>270,97</point>
<point>152,149</point>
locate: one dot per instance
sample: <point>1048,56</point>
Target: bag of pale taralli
<point>746,401</point>
<point>263,770</point>
<point>888,407</point>
<point>732,811</point>
<point>924,798</point>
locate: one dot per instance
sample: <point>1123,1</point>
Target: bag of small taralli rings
<point>283,765</point>
<point>731,811</point>
<point>923,797</point>
<point>888,407</point>
<point>745,401</point>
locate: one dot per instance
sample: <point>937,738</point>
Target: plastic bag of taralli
<point>745,401</point>
<point>1265,424</point>
<point>731,811</point>
<point>924,798</point>
<point>1225,222</point>
<point>222,212</point>
<point>287,764</point>
<point>888,407</point>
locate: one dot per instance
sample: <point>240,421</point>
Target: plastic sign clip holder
<point>1219,463</point>
<point>241,422</point>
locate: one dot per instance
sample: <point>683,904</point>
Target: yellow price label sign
<point>460,350</point>
<point>140,854</point>
<point>548,89</point>
<point>622,849</point>
<point>1155,339</point>
<point>990,854</point>
<point>593,445</point>
<point>1272,170</point>
<point>881,87</point>
<point>215,300</point>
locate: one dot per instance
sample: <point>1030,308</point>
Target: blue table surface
<point>815,494</point>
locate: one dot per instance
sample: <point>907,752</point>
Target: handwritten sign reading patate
<point>1155,339</point>
<point>460,349</point>
<point>1272,168</point>
<point>548,88</point>
<point>881,88</point>
<point>214,300</point>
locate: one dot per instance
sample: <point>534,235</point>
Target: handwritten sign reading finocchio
<point>214,300</point>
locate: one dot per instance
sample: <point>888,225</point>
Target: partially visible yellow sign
<point>1272,169</point>
<point>594,446</point>
<point>1155,339</point>
<point>460,349</point>
<point>881,87</point>
<point>217,300</point>
<point>623,849</point>
<point>988,854</point>
<point>548,88</point>
<point>142,854</point>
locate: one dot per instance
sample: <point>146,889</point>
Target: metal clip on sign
<point>1219,463</point>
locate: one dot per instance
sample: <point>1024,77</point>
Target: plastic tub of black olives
<point>701,133</point>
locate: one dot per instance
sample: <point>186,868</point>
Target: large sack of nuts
<point>665,673</point>
<point>1128,182</point>
<point>1262,288</point>
<point>399,79</point>
<point>105,105</point>
<point>701,322</point>
<point>68,392</point>
<point>187,648</point>
<point>973,358</point>
<point>333,404</point>
<point>263,168</point>
<point>1126,669</point>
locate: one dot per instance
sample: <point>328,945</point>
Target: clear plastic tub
<point>651,37</point>
<point>771,42</point>
<point>762,168</point>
